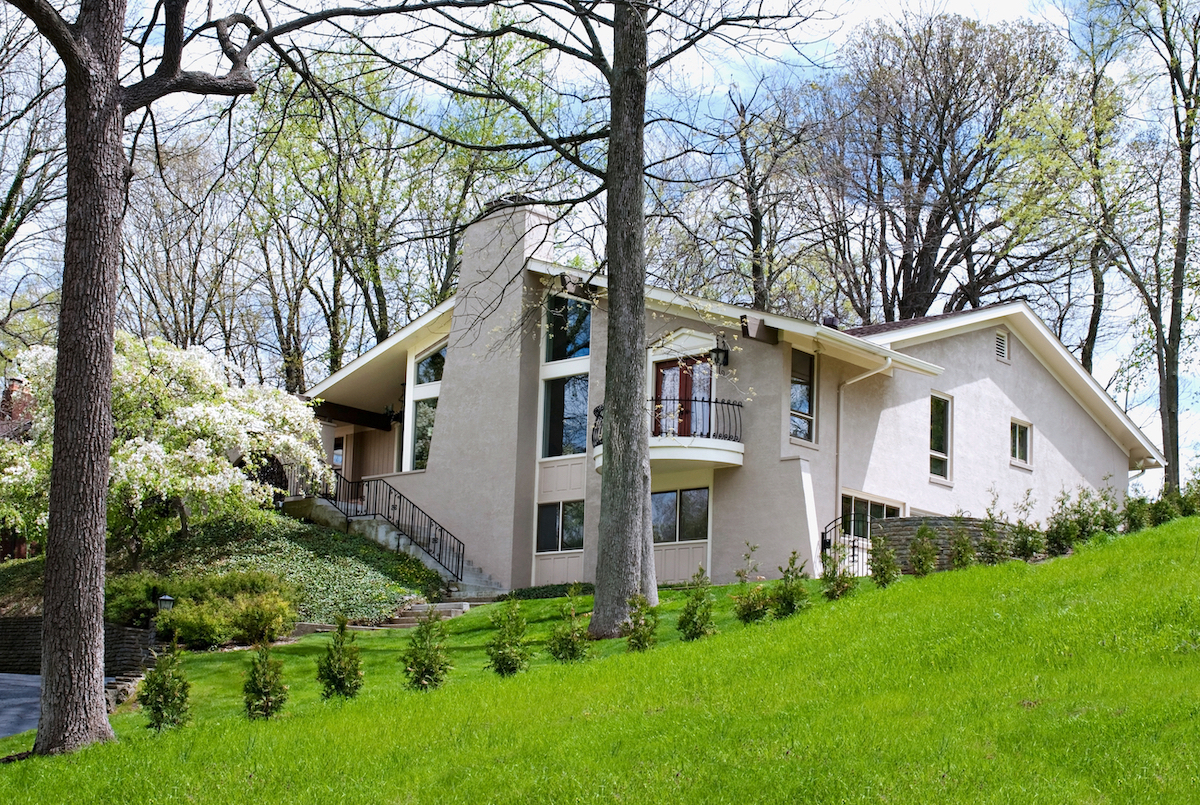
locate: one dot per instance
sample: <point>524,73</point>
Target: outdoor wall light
<point>719,355</point>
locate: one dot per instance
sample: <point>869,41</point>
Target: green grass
<point>1077,680</point>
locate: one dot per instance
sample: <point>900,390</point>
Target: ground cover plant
<point>1073,680</point>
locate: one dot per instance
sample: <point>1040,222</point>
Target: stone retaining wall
<point>900,532</point>
<point>126,650</point>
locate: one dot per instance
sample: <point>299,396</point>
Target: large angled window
<point>568,328</point>
<point>564,426</point>
<point>428,373</point>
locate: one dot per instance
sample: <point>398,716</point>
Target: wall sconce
<point>719,355</point>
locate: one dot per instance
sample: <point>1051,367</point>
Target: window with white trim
<point>428,384</point>
<point>560,527</point>
<point>803,416</point>
<point>939,436</point>
<point>564,423</point>
<point>1020,441</point>
<point>568,328</point>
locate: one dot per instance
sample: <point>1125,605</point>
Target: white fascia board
<point>853,349</point>
<point>396,339</point>
<point>1056,358</point>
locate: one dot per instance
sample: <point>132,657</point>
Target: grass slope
<point>333,572</point>
<point>1077,680</point>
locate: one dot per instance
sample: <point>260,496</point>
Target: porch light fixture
<point>719,354</point>
<point>165,602</point>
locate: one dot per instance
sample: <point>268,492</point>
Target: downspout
<point>837,453</point>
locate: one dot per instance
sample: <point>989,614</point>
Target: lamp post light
<point>165,602</point>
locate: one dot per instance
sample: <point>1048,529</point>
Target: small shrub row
<point>551,591</point>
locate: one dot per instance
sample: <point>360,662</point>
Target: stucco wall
<point>886,436</point>
<point>479,480</point>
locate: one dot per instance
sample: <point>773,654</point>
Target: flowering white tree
<point>185,442</point>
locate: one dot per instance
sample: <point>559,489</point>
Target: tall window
<point>679,516</point>
<point>425,399</point>
<point>560,527</point>
<point>939,436</point>
<point>803,402</point>
<point>565,423</point>
<point>568,328</point>
<point>683,397</point>
<point>1019,441</point>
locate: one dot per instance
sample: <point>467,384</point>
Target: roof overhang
<point>805,335</point>
<point>1020,320</point>
<point>374,380</point>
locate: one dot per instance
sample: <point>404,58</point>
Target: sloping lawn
<point>1077,680</point>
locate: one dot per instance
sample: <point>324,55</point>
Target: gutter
<point>837,453</point>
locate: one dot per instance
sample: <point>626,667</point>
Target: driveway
<point>18,703</point>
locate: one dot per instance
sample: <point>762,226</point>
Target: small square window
<point>1019,442</point>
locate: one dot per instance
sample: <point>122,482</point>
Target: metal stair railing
<point>848,540</point>
<point>378,498</point>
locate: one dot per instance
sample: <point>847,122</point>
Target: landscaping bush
<point>264,691</point>
<point>340,670</point>
<point>197,626</point>
<point>923,552</point>
<point>1028,540</point>
<point>551,591</point>
<point>508,651</point>
<point>642,626</point>
<point>882,562</point>
<point>1136,514</point>
<point>261,618</point>
<point>993,544</point>
<point>569,640</point>
<point>696,620</point>
<point>1165,509</point>
<point>836,579</point>
<point>790,595</point>
<point>751,604</point>
<point>164,691</point>
<point>962,552</point>
<point>426,662</point>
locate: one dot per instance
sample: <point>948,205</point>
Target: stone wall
<point>900,532</point>
<point>126,650</point>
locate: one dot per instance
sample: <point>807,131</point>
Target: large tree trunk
<point>625,559</point>
<point>72,701</point>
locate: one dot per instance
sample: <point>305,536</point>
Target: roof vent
<point>1002,346</point>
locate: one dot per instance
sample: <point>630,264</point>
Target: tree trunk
<point>625,559</point>
<point>72,700</point>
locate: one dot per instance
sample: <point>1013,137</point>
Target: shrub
<point>261,617</point>
<point>642,626</point>
<point>882,562</point>
<point>1165,509</point>
<point>551,591</point>
<point>197,626</point>
<point>922,552</point>
<point>752,603</point>
<point>340,670</point>
<point>508,651</point>
<point>750,566</point>
<point>132,599</point>
<point>1028,540</point>
<point>264,691</point>
<point>962,552</point>
<point>164,691</point>
<point>1062,534</point>
<point>993,544</point>
<point>836,579</point>
<point>569,640</point>
<point>426,662</point>
<point>1136,514</point>
<point>790,595</point>
<point>696,620</point>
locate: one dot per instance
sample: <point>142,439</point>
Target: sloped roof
<point>1026,325</point>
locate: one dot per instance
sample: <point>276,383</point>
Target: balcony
<point>686,434</point>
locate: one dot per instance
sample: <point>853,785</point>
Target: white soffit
<point>372,380</point>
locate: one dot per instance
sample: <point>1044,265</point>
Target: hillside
<point>333,572</point>
<point>1075,680</point>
